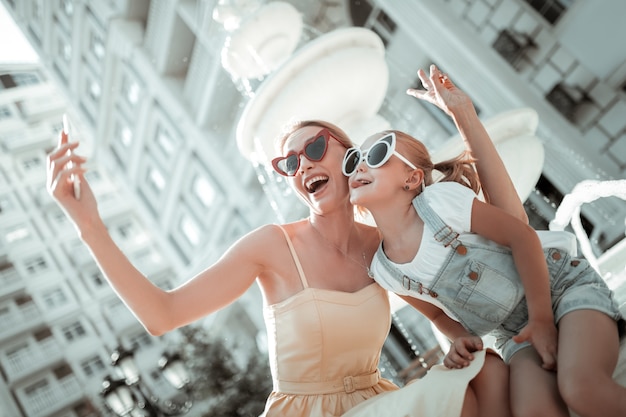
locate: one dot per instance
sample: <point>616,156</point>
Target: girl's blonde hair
<point>334,130</point>
<point>460,169</point>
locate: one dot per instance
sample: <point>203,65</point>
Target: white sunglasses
<point>374,157</point>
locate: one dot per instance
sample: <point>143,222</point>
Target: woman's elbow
<point>157,328</point>
<point>155,331</point>
<point>157,324</point>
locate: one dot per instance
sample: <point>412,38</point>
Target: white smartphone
<point>74,178</point>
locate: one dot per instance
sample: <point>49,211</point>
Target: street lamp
<point>174,370</point>
<point>128,397</point>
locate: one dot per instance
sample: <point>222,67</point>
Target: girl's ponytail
<point>460,169</point>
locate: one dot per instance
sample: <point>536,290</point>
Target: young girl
<point>459,257</point>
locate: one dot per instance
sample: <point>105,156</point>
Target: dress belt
<point>348,384</point>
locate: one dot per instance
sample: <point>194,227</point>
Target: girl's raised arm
<point>497,185</point>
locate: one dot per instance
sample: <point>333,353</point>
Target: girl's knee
<point>579,391</point>
<point>536,409</point>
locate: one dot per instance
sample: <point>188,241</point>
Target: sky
<point>13,45</point>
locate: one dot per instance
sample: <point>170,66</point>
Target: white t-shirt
<point>453,203</point>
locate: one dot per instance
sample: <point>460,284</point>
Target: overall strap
<point>443,233</point>
<point>296,260</point>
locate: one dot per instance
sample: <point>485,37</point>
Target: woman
<point>326,319</point>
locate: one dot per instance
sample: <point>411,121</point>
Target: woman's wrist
<point>90,232</point>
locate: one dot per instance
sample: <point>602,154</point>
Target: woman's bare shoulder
<point>272,235</point>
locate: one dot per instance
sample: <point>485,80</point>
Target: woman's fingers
<point>62,162</point>
<point>61,151</point>
<point>63,167</point>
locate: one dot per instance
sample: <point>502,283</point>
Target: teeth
<point>314,179</point>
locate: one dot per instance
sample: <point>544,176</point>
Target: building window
<point>19,79</point>
<point>18,355</point>
<point>17,233</point>
<point>32,162</point>
<point>55,298</point>
<point>98,279</point>
<point>156,180</point>
<point>93,366</point>
<point>7,81</point>
<point>94,91</point>
<point>38,389</point>
<point>6,204</point>
<point>131,91</point>
<point>166,143</point>
<point>203,191</point>
<point>36,264</point>
<point>551,10</point>
<point>68,8</point>
<point>140,340</point>
<point>25,78</point>
<point>5,112</point>
<point>386,22</point>
<point>96,46</point>
<point>567,99</point>
<point>66,50</point>
<point>74,331</point>
<point>127,230</point>
<point>43,334</point>
<point>123,135</point>
<point>512,46</point>
<point>363,13</point>
<point>190,229</point>
<point>23,300</point>
<point>62,371</point>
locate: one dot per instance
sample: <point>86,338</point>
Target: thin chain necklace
<point>329,243</point>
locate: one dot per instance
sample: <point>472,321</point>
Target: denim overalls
<point>480,285</point>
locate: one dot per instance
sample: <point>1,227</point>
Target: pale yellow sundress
<point>324,349</point>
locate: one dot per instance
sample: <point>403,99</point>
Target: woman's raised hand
<point>62,164</point>
<point>440,91</point>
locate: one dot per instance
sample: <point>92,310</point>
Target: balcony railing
<point>54,397</point>
<point>18,319</point>
<point>33,358</point>
<point>10,281</point>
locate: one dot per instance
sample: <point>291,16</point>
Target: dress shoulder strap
<point>294,255</point>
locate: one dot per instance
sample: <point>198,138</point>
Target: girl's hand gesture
<point>440,91</point>
<point>543,335</point>
<point>460,353</point>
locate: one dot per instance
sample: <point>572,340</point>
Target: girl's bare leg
<point>491,388</point>
<point>534,391</point>
<point>470,405</point>
<point>588,351</point>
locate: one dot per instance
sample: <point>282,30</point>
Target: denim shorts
<point>575,285</point>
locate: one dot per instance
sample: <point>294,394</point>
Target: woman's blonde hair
<point>334,130</point>
<point>460,169</point>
